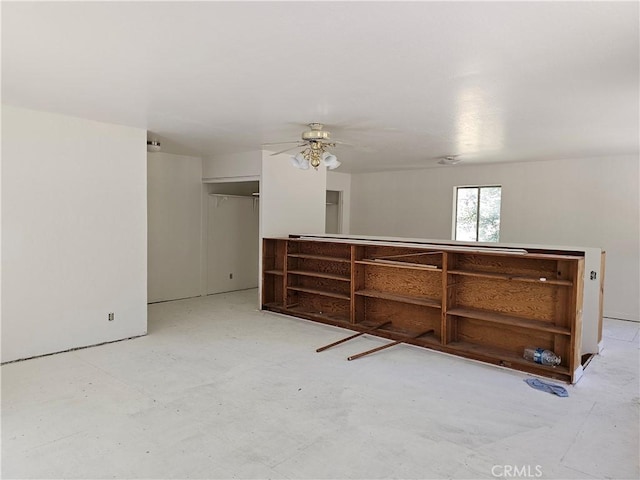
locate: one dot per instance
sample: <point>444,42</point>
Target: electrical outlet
<point>593,275</point>
<point>111,316</point>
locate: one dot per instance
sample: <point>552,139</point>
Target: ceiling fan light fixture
<point>314,144</point>
<point>330,160</point>
<point>299,161</point>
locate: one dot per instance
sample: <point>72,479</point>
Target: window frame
<point>454,223</point>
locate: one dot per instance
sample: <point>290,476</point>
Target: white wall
<point>291,200</point>
<point>591,202</point>
<point>233,166</point>
<point>341,182</point>
<point>74,232</point>
<point>174,192</point>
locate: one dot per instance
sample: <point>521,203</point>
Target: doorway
<point>232,237</point>
<point>333,217</point>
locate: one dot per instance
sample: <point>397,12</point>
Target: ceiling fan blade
<point>346,144</point>
<point>288,149</point>
<point>277,143</point>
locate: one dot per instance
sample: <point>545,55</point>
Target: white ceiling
<point>406,83</point>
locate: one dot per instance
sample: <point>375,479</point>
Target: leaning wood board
<point>482,304</point>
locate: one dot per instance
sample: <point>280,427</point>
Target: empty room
<point>320,240</point>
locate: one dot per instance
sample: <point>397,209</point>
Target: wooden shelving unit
<point>484,305</point>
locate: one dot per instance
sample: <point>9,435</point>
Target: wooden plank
<point>272,264</point>
<point>266,243</point>
<point>395,264</point>
<point>274,272</point>
<point>503,319</point>
<point>332,276</point>
<point>407,318</point>
<point>386,257</point>
<point>320,257</point>
<point>448,298</point>
<point>320,283</point>
<point>351,337</point>
<point>603,258</point>
<point>525,300</point>
<point>517,278</point>
<point>402,281</point>
<point>377,349</point>
<point>516,266</point>
<point>576,310</point>
<point>505,337</point>
<point>498,250</point>
<point>285,268</point>
<point>357,280</point>
<point>412,299</point>
<point>315,291</point>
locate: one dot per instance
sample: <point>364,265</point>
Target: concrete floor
<point>220,390</point>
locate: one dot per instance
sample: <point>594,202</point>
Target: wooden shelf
<point>274,272</point>
<point>397,264</point>
<point>327,317</point>
<point>396,297</point>
<point>506,276</point>
<point>504,319</point>
<point>505,356</point>
<point>319,257</point>
<point>324,293</point>
<point>332,276</point>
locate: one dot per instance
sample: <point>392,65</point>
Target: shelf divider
<point>316,291</point>
<point>514,277</point>
<point>505,319</point>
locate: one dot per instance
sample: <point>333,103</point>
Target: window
<point>478,213</point>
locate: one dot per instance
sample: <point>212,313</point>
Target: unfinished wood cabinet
<point>485,304</point>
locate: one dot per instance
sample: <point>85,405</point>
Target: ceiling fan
<point>315,143</point>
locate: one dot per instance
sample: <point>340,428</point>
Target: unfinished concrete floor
<point>220,390</point>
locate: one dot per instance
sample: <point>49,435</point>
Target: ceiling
<point>404,83</point>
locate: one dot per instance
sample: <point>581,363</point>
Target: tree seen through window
<point>478,214</point>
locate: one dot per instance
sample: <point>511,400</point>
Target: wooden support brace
<point>377,349</point>
<point>396,262</point>
<point>386,257</point>
<point>373,329</point>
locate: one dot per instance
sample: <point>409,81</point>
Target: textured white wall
<point>174,191</point>
<point>591,202</point>
<point>341,182</point>
<point>291,200</point>
<point>74,228</point>
<point>232,166</point>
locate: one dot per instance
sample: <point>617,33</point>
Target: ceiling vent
<point>449,160</point>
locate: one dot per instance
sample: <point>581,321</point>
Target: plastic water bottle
<point>541,356</point>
